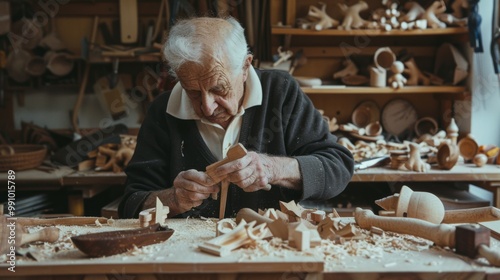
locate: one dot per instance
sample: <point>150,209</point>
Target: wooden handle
<point>72,221</point>
<point>223,198</point>
<point>46,235</point>
<point>249,215</point>
<point>440,234</point>
<point>474,215</point>
<point>492,256</point>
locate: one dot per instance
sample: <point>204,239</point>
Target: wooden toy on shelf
<point>324,21</point>
<point>480,160</point>
<point>415,76</point>
<point>468,147</point>
<point>414,11</point>
<point>432,12</point>
<point>447,155</point>
<point>414,162</point>
<point>352,19</point>
<point>452,131</point>
<point>397,80</point>
<point>349,69</point>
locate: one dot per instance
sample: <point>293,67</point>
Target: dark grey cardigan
<point>286,124</point>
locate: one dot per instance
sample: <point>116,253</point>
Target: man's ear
<point>246,66</point>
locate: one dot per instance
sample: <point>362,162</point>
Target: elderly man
<point>221,100</point>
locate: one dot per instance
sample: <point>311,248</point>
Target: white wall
<point>485,120</point>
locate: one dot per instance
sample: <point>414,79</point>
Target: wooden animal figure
<point>415,163</point>
<point>352,19</point>
<point>324,21</point>
<point>349,69</point>
<point>397,80</point>
<point>431,14</point>
<point>415,76</point>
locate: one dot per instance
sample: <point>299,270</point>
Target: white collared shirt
<point>217,139</point>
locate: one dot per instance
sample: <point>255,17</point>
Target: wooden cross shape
<point>235,152</point>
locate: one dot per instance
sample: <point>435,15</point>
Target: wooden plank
<point>450,31</point>
<point>339,52</point>
<point>386,90</point>
<point>290,13</point>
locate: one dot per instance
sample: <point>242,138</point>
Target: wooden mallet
<point>470,240</point>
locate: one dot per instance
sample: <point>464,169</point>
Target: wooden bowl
<point>447,156</point>
<point>468,147</point>
<point>120,241</point>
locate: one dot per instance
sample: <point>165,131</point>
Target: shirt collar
<point>180,106</point>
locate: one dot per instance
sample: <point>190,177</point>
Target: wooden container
<point>21,156</point>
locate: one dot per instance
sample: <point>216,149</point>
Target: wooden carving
<point>324,21</point>
<point>397,80</point>
<point>414,162</point>
<point>447,155</point>
<point>415,76</point>
<point>349,69</point>
<point>431,14</point>
<point>352,19</point>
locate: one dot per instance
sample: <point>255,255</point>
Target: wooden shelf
<point>387,90</point>
<point>369,32</point>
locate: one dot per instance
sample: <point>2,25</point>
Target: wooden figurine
<point>432,12</point>
<point>235,152</point>
<point>378,77</point>
<point>324,21</point>
<point>397,80</point>
<point>282,56</point>
<point>420,205</point>
<point>349,69</point>
<point>155,215</point>
<point>414,162</point>
<point>352,19</point>
<point>415,76</point>
<point>452,131</point>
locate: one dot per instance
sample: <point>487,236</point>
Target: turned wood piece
<point>414,162</point>
<point>397,80</point>
<point>352,19</point>
<point>480,160</point>
<point>349,69</point>
<point>420,205</point>
<point>324,21</point>
<point>156,215</point>
<point>452,131</point>
<point>384,58</point>
<point>473,240</point>
<point>468,147</point>
<point>472,215</point>
<point>426,125</point>
<point>432,12</point>
<point>373,129</point>
<point>415,76</point>
<point>378,77</point>
<point>447,155</point>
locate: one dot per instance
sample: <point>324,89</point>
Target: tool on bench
<point>471,240</point>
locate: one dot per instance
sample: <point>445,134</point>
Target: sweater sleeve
<point>148,170</point>
<point>326,167</point>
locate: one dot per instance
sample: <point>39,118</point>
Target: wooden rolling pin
<point>70,221</point>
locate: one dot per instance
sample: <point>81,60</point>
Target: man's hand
<point>255,171</point>
<point>191,187</point>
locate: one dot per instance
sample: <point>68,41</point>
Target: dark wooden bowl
<point>120,241</point>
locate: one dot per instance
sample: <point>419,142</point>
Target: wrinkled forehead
<point>212,69</point>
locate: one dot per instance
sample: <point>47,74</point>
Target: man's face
<point>214,94</point>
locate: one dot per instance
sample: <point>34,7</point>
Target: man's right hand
<point>191,187</point>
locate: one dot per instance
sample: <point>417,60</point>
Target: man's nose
<point>208,104</point>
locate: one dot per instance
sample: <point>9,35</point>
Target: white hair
<point>183,45</point>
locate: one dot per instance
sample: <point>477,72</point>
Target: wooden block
<point>86,165</point>
<point>223,245</point>
<point>318,216</point>
<point>494,226</point>
<point>235,152</point>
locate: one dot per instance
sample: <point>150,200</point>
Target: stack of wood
<point>111,156</point>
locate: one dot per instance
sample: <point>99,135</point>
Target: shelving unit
<point>325,51</point>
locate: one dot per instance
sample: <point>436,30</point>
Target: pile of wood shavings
<point>371,246</point>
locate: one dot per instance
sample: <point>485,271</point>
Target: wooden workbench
<point>180,256</point>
